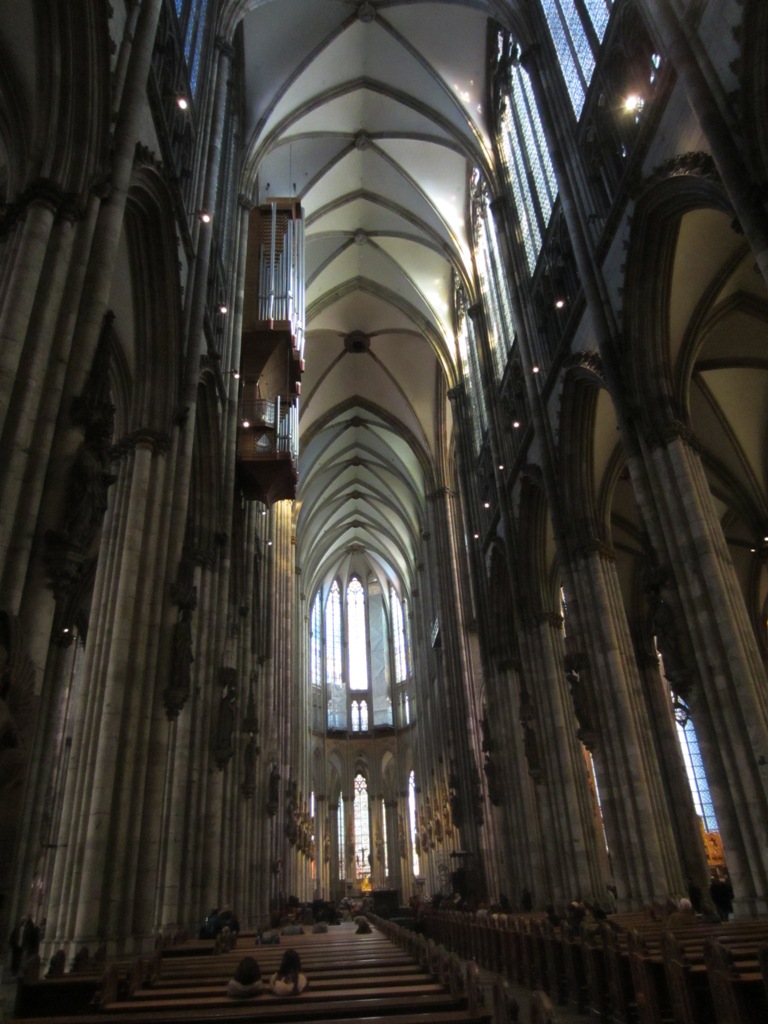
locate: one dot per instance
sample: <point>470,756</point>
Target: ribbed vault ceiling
<point>373,115</point>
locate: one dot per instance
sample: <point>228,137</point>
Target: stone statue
<point>250,754</point>
<point>225,725</point>
<point>179,688</point>
<point>587,731</point>
<point>532,754</point>
<point>492,780</point>
<point>88,485</point>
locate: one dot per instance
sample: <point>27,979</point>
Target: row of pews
<point>353,977</point>
<point>627,969</point>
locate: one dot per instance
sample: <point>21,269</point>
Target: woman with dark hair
<point>247,980</point>
<point>288,980</point>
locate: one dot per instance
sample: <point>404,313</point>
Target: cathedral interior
<point>383,473</point>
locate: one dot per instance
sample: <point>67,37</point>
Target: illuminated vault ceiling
<point>373,115</point>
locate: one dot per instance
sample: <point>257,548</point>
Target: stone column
<point>280,559</point>
<point>728,697</point>
<point>94,888</point>
<point>573,848</point>
<point>21,293</point>
<point>608,700</point>
<point>451,665</point>
<point>29,444</point>
<point>333,865</point>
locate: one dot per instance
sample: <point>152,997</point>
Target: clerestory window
<point>577,28</point>
<point>524,153</point>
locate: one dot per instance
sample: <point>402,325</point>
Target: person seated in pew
<point>247,980</point>
<point>209,929</point>
<point>683,917</point>
<point>289,980</point>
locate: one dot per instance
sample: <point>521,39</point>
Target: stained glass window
<point>358,651</point>
<point>471,368</point>
<point>191,15</point>
<point>337,698</point>
<point>525,156</point>
<point>316,642</point>
<point>398,638</point>
<point>694,764</point>
<point>342,838</point>
<point>412,820</point>
<point>576,39</point>
<point>362,828</point>
<point>493,279</point>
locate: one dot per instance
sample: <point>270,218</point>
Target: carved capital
<point>589,362</point>
<point>157,441</point>
<point>675,430</point>
<point>696,164</point>
<point>588,546</point>
<point>224,47</point>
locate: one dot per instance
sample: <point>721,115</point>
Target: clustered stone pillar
<point>728,697</point>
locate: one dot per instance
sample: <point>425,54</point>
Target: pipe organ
<point>272,353</point>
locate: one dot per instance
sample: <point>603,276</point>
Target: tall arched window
<point>577,29</point>
<point>352,653</point>
<point>192,17</point>
<point>337,698</point>
<point>362,828</point>
<point>358,652</point>
<point>316,661</point>
<point>524,152</point>
<point>412,821</point>
<point>494,284</point>
<point>398,638</point>
<point>316,641</point>
<point>465,337</point>
<point>342,838</point>
<point>694,764</point>
<point>383,838</point>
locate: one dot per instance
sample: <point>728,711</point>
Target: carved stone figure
<point>587,731</point>
<point>179,688</point>
<point>492,780</point>
<point>225,725</point>
<point>532,754</point>
<point>250,754</point>
<point>88,487</point>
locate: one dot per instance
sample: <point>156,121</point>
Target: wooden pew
<point>738,992</point>
<point>348,981</point>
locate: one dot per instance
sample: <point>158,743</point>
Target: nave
<point>383,479</point>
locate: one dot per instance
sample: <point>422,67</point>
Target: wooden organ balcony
<point>272,353</point>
